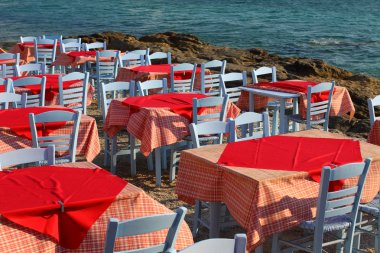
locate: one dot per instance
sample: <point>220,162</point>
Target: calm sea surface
<point>345,33</point>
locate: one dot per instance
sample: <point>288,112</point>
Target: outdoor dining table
<point>26,50</point>
<point>156,72</point>
<point>156,120</point>
<point>255,97</point>
<point>265,200</point>
<point>73,214</point>
<point>74,58</point>
<point>52,88</point>
<point>374,134</point>
<point>15,131</point>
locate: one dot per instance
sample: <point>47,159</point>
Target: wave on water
<point>325,42</point>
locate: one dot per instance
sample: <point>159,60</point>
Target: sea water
<point>345,33</point>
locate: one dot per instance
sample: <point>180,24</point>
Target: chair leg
<point>173,165</point>
<point>215,208</point>
<point>106,150</point>
<point>132,157</point>
<point>275,121</point>
<point>275,243</point>
<point>113,154</point>
<point>196,217</point>
<point>157,157</point>
<point>150,162</point>
<point>98,92</point>
<point>164,158</point>
<point>377,238</point>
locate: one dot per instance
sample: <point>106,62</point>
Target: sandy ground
<point>165,194</point>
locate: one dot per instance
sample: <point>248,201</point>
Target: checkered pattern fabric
<point>374,134</point>
<point>262,201</point>
<point>88,139</point>
<point>341,101</point>
<point>26,52</point>
<point>132,202</point>
<point>63,59</point>
<point>154,127</point>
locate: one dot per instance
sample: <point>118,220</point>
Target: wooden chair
<point>219,245</point>
<point>18,100</point>
<point>131,60</point>
<point>45,55</point>
<point>28,156</point>
<point>182,85</point>
<point>70,45</point>
<point>145,87</point>
<point>233,92</point>
<point>210,84</point>
<point>9,70</point>
<point>94,46</point>
<point>74,98</point>
<point>144,225</point>
<point>336,212</point>
<point>372,103</point>
<point>33,99</point>
<point>62,142</point>
<point>264,71</point>
<point>52,37</point>
<point>159,56</point>
<point>27,39</point>
<point>142,52</point>
<point>31,69</point>
<point>320,109</point>
<point>252,125</point>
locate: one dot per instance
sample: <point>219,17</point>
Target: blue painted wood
<point>248,124</point>
<point>145,87</point>
<point>210,84</point>
<point>69,45</point>
<point>236,245</point>
<point>52,37</point>
<point>233,92</point>
<point>335,205</point>
<point>142,52</point>
<point>45,55</point>
<point>372,103</point>
<point>33,100</point>
<point>9,70</point>
<point>27,155</point>
<point>159,55</point>
<point>220,102</point>
<point>182,85</point>
<point>27,39</point>
<point>217,128</point>
<point>264,71</point>
<point>95,45</point>
<point>61,142</point>
<point>18,100</point>
<point>31,69</point>
<point>143,225</point>
<point>78,95</point>
<point>130,59</point>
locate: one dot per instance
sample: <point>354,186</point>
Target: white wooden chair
<point>233,92</point>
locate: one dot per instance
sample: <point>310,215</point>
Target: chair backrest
<point>69,45</point>
<point>31,69</point>
<point>95,45</point>
<point>107,69</point>
<point>18,100</point>
<point>182,84</point>
<point>9,70</point>
<point>27,156</point>
<point>76,97</point>
<point>220,245</point>
<point>210,84</point>
<point>45,55</point>
<point>144,225</point>
<point>52,37</point>
<point>131,59</point>
<point>159,55</point>
<point>144,53</point>
<point>372,103</point>
<point>62,142</point>
<point>33,99</point>
<point>114,90</point>
<point>264,71</point>
<point>27,39</point>
<point>321,108</point>
<point>213,129</point>
<point>341,203</point>
<point>145,87</point>
<point>252,125</point>
<point>218,112</point>
<point>234,92</point>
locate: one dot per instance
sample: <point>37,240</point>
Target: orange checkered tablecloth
<point>132,202</point>
<point>374,134</point>
<point>341,101</point>
<point>262,201</point>
<point>88,144</point>
<point>154,127</point>
<point>63,59</point>
<point>26,52</point>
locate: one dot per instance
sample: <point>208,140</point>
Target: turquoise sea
<point>345,33</point>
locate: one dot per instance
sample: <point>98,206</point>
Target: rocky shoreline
<point>189,48</point>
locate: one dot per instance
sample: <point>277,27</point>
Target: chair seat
<point>331,224</point>
<point>276,103</point>
<point>372,208</point>
<point>297,118</point>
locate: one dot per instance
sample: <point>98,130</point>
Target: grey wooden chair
<point>252,125</point>
<point>28,156</point>
<point>220,245</point>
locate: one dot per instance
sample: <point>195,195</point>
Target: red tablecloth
<point>81,53</point>
<point>292,154</point>
<point>31,44</point>
<point>164,68</point>
<point>17,120</point>
<point>179,103</point>
<point>30,197</point>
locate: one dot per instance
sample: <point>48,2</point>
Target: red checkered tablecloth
<point>374,134</point>
<point>341,101</point>
<point>88,139</point>
<point>262,201</point>
<point>132,202</point>
<point>155,127</point>
<point>26,52</point>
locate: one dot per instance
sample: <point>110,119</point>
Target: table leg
<point>251,102</point>
<point>259,249</point>
<point>215,208</point>
<point>157,154</point>
<point>296,126</point>
<point>282,117</point>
